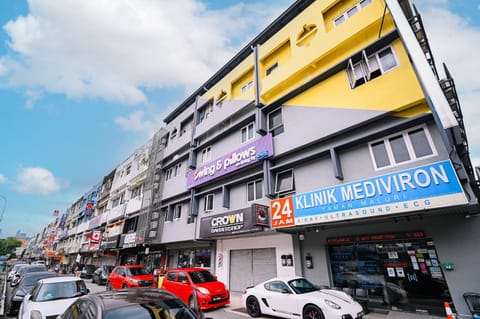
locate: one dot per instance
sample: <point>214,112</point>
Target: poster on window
<point>391,272</point>
<point>400,272</point>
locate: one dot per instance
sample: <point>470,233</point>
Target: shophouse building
<point>331,147</point>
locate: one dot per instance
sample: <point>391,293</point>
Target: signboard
<point>128,240</point>
<point>242,157</point>
<point>231,223</point>
<point>424,187</point>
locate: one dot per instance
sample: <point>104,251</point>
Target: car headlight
<point>35,314</point>
<point>332,304</point>
<point>204,291</point>
<point>133,281</point>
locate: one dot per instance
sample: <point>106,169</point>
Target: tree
<point>8,245</point>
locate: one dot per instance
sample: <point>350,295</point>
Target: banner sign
<point>231,223</point>
<point>424,187</point>
<point>242,157</point>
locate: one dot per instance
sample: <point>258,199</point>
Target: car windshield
<point>171,309</point>
<point>301,286</point>
<point>136,271</point>
<point>202,276</point>
<point>61,290</point>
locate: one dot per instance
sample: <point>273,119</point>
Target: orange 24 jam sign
<point>281,210</point>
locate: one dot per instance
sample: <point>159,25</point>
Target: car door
<point>117,277</point>
<point>282,300</point>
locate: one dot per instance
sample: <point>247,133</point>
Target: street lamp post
<point>4,206</point>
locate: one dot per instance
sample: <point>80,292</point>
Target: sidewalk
<point>237,307</point>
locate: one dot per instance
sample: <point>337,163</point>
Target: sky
<point>85,83</point>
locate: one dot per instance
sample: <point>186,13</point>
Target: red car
<point>130,276</point>
<point>210,292</point>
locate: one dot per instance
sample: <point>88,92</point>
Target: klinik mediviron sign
<point>420,188</point>
<point>247,155</point>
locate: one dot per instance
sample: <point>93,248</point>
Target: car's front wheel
<point>124,286</point>
<point>253,307</point>
<point>312,312</point>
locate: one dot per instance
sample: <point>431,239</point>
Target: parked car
<point>87,271</point>
<point>296,297</point>
<point>130,276</point>
<point>51,297</point>
<point>14,269</point>
<point>185,282</point>
<point>15,297</point>
<point>100,275</point>
<point>145,303</point>
<point>30,268</point>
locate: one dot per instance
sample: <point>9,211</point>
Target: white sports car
<point>297,298</point>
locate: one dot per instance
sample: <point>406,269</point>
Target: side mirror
<point>285,291</point>
<point>185,282</point>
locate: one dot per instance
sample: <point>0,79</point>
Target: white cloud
<point>137,122</point>
<point>114,49</point>
<point>36,180</point>
<point>3,179</point>
<point>454,40</point>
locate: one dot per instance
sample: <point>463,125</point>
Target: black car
<point>15,297</point>
<point>100,275</point>
<point>87,271</point>
<point>138,303</point>
<point>27,269</point>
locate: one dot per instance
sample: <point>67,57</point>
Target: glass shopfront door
<point>400,274</point>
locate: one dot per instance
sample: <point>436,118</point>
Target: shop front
<point>247,252</point>
<point>399,271</point>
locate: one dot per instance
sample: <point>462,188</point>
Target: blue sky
<point>84,83</point>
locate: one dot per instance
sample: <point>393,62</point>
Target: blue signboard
<point>424,187</point>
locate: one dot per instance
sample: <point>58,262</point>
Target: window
<point>208,203</point>
<point>177,169</point>
<point>129,168</point>
<point>173,134</point>
<point>136,191</point>
<point>275,122</point>
<point>370,67</point>
<point>206,155</point>
<point>350,12</point>
<point>254,190</point>
<point>247,86</point>
<point>271,68</point>
<point>169,215</point>
<point>177,212</point>
<point>402,147</point>
<point>284,182</point>
<point>168,174</point>
<point>221,98</point>
<point>204,112</point>
<point>247,133</point>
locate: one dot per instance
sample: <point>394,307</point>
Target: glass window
<point>380,154</point>
<point>206,155</point>
<point>387,59</point>
<point>177,212</point>
<point>284,181</point>
<point>247,133</point>
<point>208,203</point>
<point>271,68</point>
<point>399,149</point>
<point>420,143</point>
<point>365,68</point>
<point>405,147</point>
<point>275,122</point>
<point>254,190</point>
